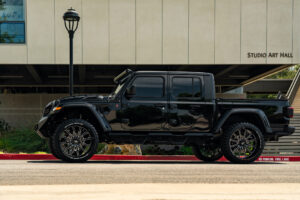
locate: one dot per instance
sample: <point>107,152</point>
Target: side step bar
<point>159,138</point>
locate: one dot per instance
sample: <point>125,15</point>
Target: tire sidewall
<point>226,140</point>
<point>200,156</point>
<point>51,148</point>
<point>79,122</point>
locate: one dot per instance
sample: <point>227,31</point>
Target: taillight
<point>290,112</point>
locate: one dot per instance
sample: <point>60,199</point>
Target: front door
<point>145,108</point>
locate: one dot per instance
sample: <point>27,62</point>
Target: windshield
<point>116,90</point>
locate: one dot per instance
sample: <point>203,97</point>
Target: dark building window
<point>12,21</point>
<point>186,88</point>
<point>149,87</point>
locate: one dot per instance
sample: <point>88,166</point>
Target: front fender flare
<point>261,115</point>
<point>99,116</point>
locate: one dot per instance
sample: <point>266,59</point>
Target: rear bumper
<point>289,130</point>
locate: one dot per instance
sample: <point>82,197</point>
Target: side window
<point>149,87</point>
<point>197,87</point>
<point>184,88</point>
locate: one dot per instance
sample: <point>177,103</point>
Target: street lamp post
<point>71,19</point>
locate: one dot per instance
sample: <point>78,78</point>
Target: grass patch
<point>40,152</point>
<point>23,140</point>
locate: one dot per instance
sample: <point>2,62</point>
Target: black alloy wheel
<point>75,140</point>
<point>242,143</point>
<point>208,152</point>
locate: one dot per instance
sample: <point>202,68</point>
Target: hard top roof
<point>173,72</point>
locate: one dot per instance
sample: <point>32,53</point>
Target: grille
<point>47,109</point>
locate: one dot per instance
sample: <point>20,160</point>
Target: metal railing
<point>291,93</point>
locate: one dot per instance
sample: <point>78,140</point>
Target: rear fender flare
<point>260,114</point>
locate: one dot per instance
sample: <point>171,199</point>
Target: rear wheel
<point>242,143</point>
<point>208,152</point>
<point>75,140</point>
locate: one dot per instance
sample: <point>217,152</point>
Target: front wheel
<point>75,140</point>
<point>208,152</point>
<point>51,148</point>
<point>242,143</point>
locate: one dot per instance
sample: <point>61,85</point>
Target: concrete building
<point>240,41</point>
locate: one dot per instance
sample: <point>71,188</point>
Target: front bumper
<point>39,126</point>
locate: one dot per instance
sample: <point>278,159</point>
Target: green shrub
<point>4,127</point>
<point>186,150</point>
<point>100,147</point>
<point>22,140</point>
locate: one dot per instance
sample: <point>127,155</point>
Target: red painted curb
<point>133,157</point>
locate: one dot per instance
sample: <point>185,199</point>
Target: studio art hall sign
<point>270,55</point>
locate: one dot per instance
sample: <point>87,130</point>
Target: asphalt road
<point>119,172</point>
<point>143,180</point>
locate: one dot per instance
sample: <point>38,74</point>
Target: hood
<point>84,98</point>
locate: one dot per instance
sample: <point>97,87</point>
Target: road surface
<point>148,180</point>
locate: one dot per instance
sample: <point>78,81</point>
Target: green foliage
<point>3,126</point>
<point>22,140</point>
<point>100,147</point>
<point>288,73</point>
<point>156,150</point>
<point>185,150</point>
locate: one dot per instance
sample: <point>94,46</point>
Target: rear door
<point>187,109</point>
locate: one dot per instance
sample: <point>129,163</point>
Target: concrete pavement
<point>20,179</point>
<point>153,192</point>
<point>22,172</point>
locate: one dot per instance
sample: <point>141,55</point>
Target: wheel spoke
<point>77,152</point>
<point>75,141</point>
<point>243,143</point>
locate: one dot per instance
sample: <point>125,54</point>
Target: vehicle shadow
<point>149,162</point>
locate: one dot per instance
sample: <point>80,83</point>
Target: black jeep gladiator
<point>156,107</point>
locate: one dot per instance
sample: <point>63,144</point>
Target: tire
<point>75,140</point>
<point>208,152</point>
<point>51,148</point>
<point>242,143</point>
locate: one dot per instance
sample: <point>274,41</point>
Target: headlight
<point>56,108</point>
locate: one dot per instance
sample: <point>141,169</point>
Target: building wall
<point>160,32</point>
<point>24,110</point>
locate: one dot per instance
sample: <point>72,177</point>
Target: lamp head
<point>71,19</point>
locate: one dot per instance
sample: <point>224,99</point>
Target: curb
<point>140,157</point>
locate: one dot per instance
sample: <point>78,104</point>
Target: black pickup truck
<point>171,107</point>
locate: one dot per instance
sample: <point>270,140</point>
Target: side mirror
<point>130,92</point>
